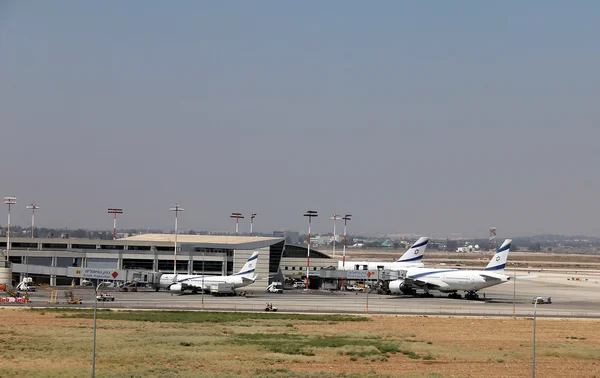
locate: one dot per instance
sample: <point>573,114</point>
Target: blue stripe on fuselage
<point>429,273</point>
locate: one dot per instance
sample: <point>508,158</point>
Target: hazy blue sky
<point>416,117</point>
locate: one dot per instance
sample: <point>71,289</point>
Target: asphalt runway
<point>571,298</point>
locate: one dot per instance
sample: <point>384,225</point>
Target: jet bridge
<point>378,279</point>
<point>362,275</point>
<point>127,276</point>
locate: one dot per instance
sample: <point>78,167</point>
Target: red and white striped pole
<point>237,217</point>
<point>115,212</point>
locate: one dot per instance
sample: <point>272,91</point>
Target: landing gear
<point>454,295</point>
<point>472,295</point>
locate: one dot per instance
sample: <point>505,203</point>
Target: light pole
<point>237,217</point>
<point>94,344</point>
<point>533,359</point>
<point>203,252</point>
<point>514,288</point>
<point>346,218</point>
<point>176,209</point>
<point>252,221</point>
<point>367,289</point>
<point>115,212</point>
<point>33,207</point>
<point>9,201</point>
<point>310,214</point>
<point>334,218</point>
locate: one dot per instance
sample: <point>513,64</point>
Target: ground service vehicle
<point>542,300</point>
<point>275,287</point>
<point>270,307</point>
<point>298,285</point>
<point>105,298</point>
<point>354,288</point>
<point>222,289</point>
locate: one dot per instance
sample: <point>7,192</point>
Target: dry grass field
<point>42,343</point>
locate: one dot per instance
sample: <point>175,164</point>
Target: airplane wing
<point>424,282</point>
<point>248,280</point>
<point>490,277</point>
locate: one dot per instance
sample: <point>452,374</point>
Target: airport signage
<point>360,274</point>
<point>13,300</point>
<point>99,274</point>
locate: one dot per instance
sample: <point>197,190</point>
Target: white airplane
<point>194,283</point>
<point>411,258</point>
<point>454,280</point>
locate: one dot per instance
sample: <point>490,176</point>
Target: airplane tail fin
<point>498,262</point>
<point>416,252</point>
<point>249,267</point>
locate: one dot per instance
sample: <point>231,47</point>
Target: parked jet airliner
<point>195,283</point>
<point>411,258</point>
<point>454,280</point>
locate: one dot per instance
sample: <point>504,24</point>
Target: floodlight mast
<point>115,211</point>
<point>237,217</point>
<point>334,218</point>
<point>33,207</point>
<point>9,201</point>
<point>346,218</point>
<point>176,209</point>
<point>252,221</point>
<point>310,214</point>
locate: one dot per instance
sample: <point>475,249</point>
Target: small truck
<point>222,289</point>
<point>105,298</point>
<point>542,300</point>
<point>275,287</point>
<point>354,288</point>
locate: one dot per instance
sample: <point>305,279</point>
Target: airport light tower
<point>237,217</point>
<point>9,201</point>
<point>115,212</point>
<point>310,214</point>
<point>492,239</point>
<point>252,221</point>
<point>176,209</point>
<point>334,218</point>
<point>346,218</point>
<point>33,207</point>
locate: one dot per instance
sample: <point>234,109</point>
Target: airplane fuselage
<point>166,281</point>
<point>450,280</point>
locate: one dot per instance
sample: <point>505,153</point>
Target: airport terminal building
<point>46,259</point>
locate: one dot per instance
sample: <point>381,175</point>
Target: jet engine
<point>397,286</point>
<point>176,287</point>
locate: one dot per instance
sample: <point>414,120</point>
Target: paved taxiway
<point>571,298</point>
